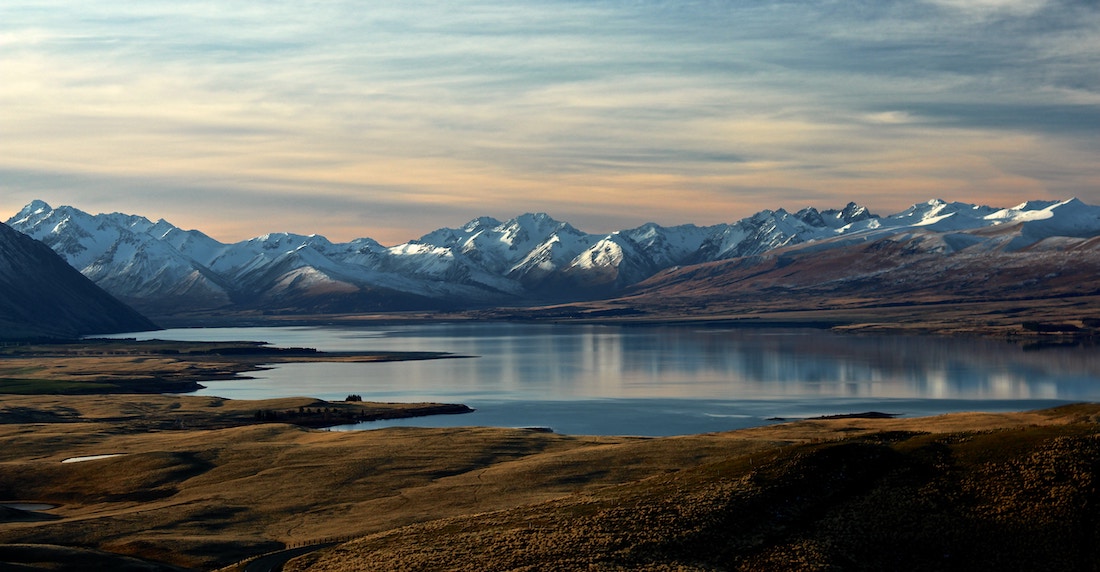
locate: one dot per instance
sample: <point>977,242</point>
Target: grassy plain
<point>822,494</point>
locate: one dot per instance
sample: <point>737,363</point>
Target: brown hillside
<point>898,498</point>
<point>1001,489</point>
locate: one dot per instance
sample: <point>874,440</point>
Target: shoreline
<point>1025,321</point>
<point>145,413</point>
<point>107,365</point>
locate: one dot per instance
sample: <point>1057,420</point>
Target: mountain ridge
<point>529,259</point>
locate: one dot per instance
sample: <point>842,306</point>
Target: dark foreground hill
<point>42,296</point>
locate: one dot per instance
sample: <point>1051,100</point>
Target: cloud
<point>608,109</point>
<point>985,8</point>
<point>889,117</point>
<point>1053,119</point>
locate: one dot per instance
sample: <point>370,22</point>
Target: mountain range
<point>44,297</point>
<point>161,269</point>
<point>931,255</point>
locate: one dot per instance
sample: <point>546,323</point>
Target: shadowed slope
<point>42,296</point>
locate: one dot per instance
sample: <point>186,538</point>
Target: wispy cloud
<point>987,8</point>
<point>391,120</point>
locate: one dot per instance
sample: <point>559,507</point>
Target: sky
<point>389,120</point>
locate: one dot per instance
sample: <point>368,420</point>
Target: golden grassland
<point>958,492</point>
<point>1003,491</point>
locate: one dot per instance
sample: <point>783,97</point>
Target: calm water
<point>662,380</point>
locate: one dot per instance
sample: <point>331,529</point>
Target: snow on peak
<point>35,211</point>
<point>526,232</point>
<point>1033,205</point>
<point>35,207</point>
<point>447,237</point>
<point>539,216</point>
<point>1040,210</point>
<point>287,241</point>
<point>853,212</point>
<point>940,215</point>
<point>1071,218</point>
<point>537,223</point>
<point>480,223</point>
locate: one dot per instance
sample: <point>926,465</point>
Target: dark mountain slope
<point>42,296</point>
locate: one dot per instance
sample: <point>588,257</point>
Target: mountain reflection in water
<point>663,380</point>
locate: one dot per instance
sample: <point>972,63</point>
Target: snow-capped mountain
<point>43,296</point>
<point>934,252</point>
<point>531,258</point>
<point>129,256</point>
<point>768,230</point>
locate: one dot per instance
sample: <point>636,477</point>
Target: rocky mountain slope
<point>43,296</point>
<point>931,253</point>
<point>534,259</point>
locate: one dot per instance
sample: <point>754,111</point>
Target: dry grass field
<point>959,491</point>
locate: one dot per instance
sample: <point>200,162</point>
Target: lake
<point>609,380</point>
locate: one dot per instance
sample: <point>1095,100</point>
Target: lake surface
<point>584,379</point>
